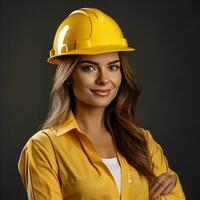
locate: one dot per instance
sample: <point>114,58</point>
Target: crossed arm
<point>170,187</point>
<point>166,185</point>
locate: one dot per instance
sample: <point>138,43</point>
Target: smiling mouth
<point>101,92</point>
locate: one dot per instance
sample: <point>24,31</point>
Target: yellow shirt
<point>61,162</point>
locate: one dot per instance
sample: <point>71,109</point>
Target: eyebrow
<point>95,63</point>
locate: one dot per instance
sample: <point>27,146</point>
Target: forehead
<point>100,58</point>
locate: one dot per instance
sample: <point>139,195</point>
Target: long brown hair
<point>120,113</point>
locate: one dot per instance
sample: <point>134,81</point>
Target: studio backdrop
<point>165,62</point>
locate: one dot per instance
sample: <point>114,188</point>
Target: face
<point>96,79</point>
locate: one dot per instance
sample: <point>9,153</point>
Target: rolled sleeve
<point>161,165</point>
<point>38,169</point>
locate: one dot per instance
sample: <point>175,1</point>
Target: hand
<point>164,186</point>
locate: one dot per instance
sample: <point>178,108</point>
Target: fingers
<point>164,186</point>
<point>166,190</point>
<point>158,191</point>
<point>170,186</point>
<point>156,185</point>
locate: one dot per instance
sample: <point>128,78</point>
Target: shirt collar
<point>66,126</point>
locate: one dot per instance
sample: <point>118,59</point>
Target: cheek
<point>117,80</point>
<point>81,84</point>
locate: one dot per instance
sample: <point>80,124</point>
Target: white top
<point>114,167</point>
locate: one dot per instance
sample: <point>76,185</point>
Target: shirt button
<point>130,181</point>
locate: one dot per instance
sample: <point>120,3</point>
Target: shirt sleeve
<point>162,166</point>
<point>38,169</point>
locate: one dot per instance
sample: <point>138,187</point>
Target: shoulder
<point>38,147</point>
<point>147,134</point>
<point>39,140</point>
<point>37,152</point>
<point>151,142</point>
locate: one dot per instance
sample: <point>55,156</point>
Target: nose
<point>102,78</point>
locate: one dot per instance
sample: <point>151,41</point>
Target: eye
<point>114,67</point>
<point>88,68</point>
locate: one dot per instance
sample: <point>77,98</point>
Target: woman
<point>91,146</point>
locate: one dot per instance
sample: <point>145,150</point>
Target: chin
<point>99,103</point>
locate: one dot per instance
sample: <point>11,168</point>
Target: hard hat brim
<point>90,51</point>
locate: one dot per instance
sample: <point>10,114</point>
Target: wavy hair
<point>120,119</point>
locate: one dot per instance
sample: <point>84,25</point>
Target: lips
<point>101,92</point>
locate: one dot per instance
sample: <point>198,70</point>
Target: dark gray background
<point>166,61</point>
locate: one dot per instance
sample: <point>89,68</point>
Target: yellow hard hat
<point>87,31</point>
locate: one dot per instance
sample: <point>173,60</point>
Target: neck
<point>90,119</point>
